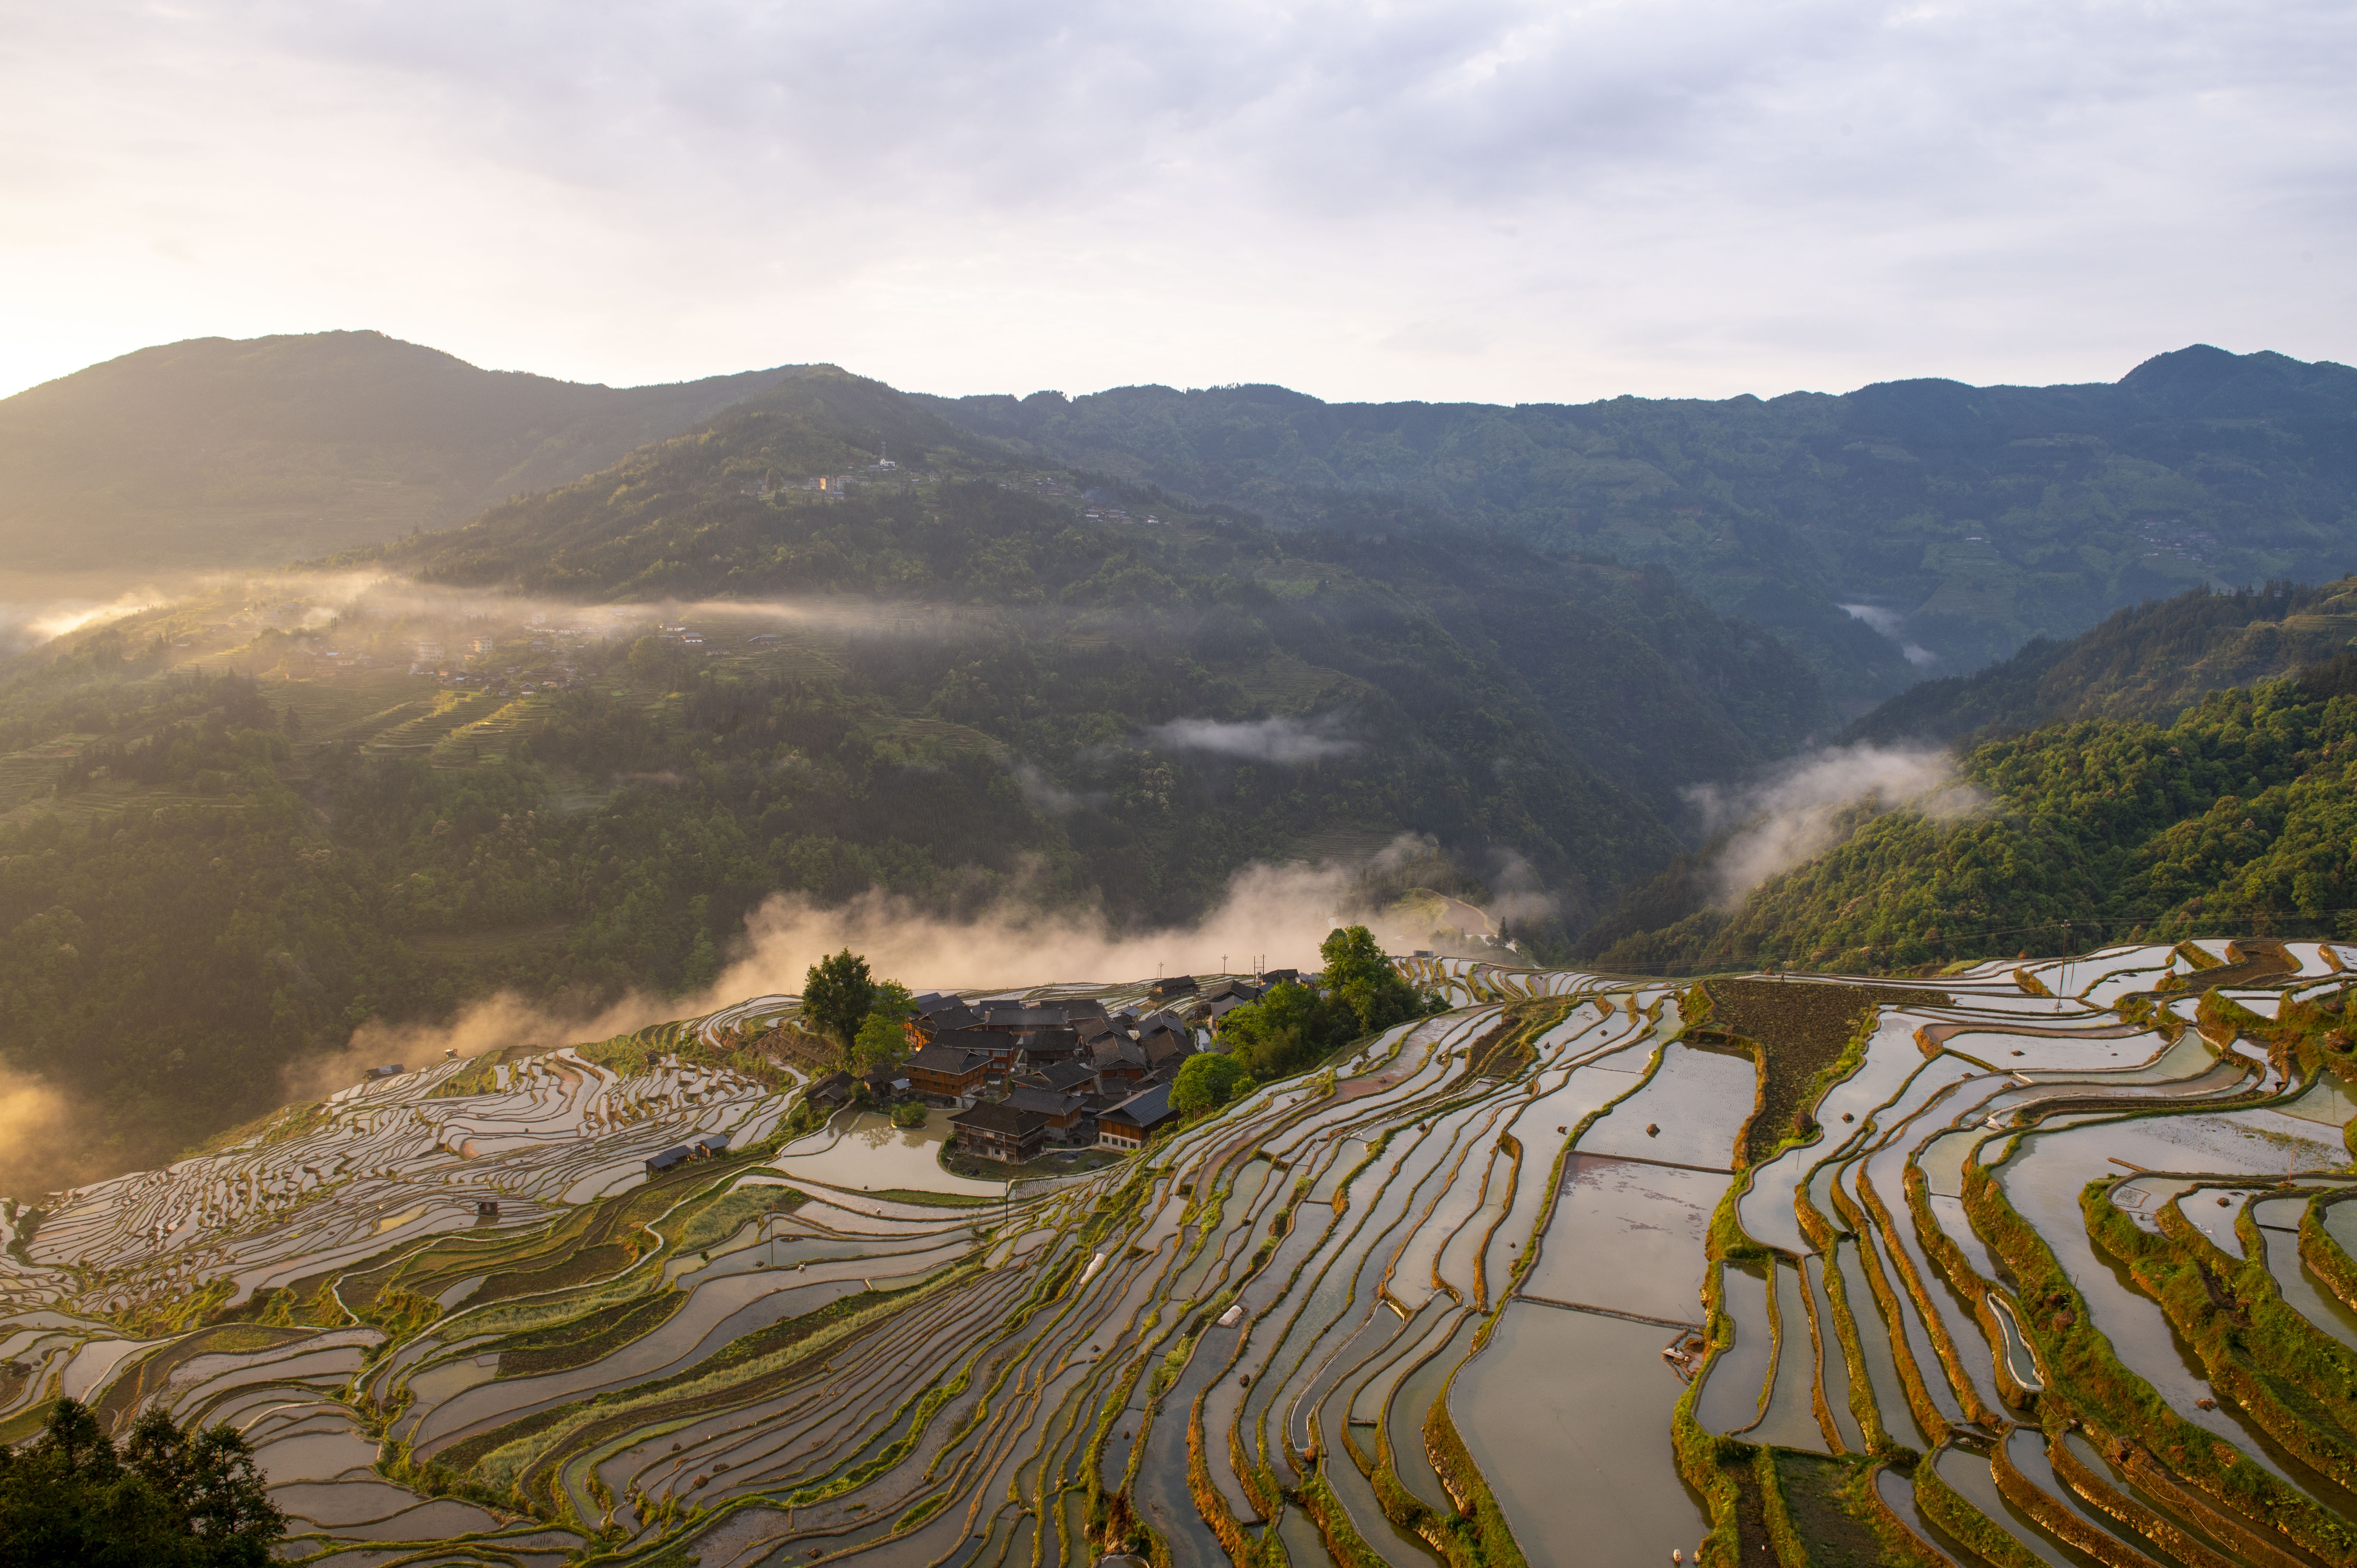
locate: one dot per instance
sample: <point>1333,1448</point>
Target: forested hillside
<point>1964,521</point>
<point>2144,663</point>
<point>2240,818</point>
<point>214,454</point>
<point>951,683</point>
<point>1905,529</point>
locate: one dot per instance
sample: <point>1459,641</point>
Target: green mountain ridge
<point>213,453</point>
<point>1917,520</point>
<point>2235,816</point>
<point>1964,520</point>
<point>2147,661</point>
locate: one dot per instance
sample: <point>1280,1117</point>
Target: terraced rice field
<point>2037,1266</point>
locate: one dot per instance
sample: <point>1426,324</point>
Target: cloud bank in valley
<point>1806,807</point>
<point>1276,915</point>
<point>1279,740</point>
<point>40,1137</point>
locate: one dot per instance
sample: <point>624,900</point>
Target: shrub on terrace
<point>1285,1031</point>
<point>1208,1080</point>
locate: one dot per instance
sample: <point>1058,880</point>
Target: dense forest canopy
<point>1962,521</point>
<point>2145,661</point>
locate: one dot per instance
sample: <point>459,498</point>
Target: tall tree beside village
<point>883,1041</point>
<point>837,994</point>
<point>1283,1032</point>
<point>1360,978</point>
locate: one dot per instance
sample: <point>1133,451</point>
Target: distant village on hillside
<point>1073,1073</point>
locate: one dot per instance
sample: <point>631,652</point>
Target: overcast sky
<point>1476,198</point>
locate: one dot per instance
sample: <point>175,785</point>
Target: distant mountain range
<point>215,453</point>
<point>1903,530</point>
<point>1921,521</point>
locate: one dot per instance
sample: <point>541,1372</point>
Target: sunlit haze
<point>1493,202</point>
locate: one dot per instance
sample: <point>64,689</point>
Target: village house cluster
<point>1020,1077</point>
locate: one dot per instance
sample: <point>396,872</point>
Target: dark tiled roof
<point>972,1040</point>
<point>1113,1051</point>
<point>1162,1044</point>
<point>1061,1077</point>
<point>1023,1018</point>
<point>1011,1121</point>
<point>1047,1102</point>
<point>948,1059</point>
<point>1146,1108</point>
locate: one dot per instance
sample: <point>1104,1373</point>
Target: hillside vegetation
<point>2145,663</point>
<point>953,684</point>
<point>1965,520</point>
<point>214,454</point>
<point>2239,817</point>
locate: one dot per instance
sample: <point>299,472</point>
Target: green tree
<point>882,1042</point>
<point>171,1499</point>
<point>1360,978</point>
<point>1285,1031</point>
<point>837,992</point>
<point>1207,1081</point>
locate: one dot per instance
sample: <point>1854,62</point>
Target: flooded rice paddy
<point>1406,1314</point>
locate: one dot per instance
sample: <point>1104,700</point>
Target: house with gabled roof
<point>1064,1113</point>
<point>1132,1124</point>
<point>1076,1077</point>
<point>948,1076</point>
<point>995,1131</point>
<point>1164,1042</point>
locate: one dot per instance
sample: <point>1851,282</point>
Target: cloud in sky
<point>1478,199</point>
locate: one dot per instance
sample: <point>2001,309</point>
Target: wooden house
<point>1132,1124</point>
<point>1064,1113</point>
<point>945,1074</point>
<point>996,1132</point>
